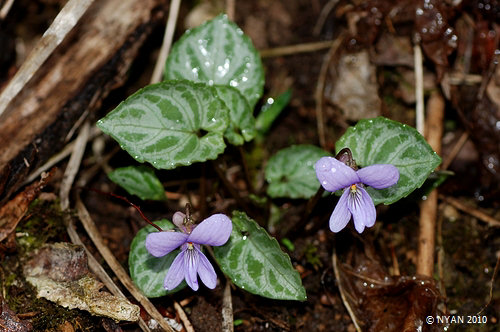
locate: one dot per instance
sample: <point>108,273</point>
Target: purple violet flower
<point>190,262</point>
<point>335,175</point>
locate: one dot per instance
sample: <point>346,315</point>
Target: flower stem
<point>130,203</point>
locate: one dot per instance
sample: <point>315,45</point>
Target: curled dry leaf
<point>380,302</point>
<point>60,274</point>
<point>14,210</point>
<point>438,38</point>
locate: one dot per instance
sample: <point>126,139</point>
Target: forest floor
<point>371,73</point>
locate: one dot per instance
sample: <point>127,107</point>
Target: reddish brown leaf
<point>381,302</point>
<point>14,210</point>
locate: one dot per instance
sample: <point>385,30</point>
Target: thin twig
<point>230,188</point>
<point>395,263</point>
<point>99,271</point>
<point>343,293</point>
<point>455,150</point>
<point>101,164</point>
<point>78,149</point>
<point>167,40</point>
<point>73,165</point>
<point>5,9</point>
<point>320,87</point>
<point>295,49</point>
<point>428,208</point>
<point>113,263</point>
<point>493,277</point>
<point>477,213</point>
<point>227,309</point>
<point>55,159</point>
<point>489,73</point>
<point>125,199</point>
<point>230,9</point>
<point>419,88</point>
<point>184,319</point>
<point>440,256</point>
<point>67,18</point>
<point>323,15</point>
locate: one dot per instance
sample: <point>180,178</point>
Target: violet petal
<point>178,219</point>
<point>362,209</point>
<point>334,175</point>
<point>213,231</point>
<point>206,271</point>
<point>379,176</point>
<point>175,273</point>
<point>341,215</point>
<point>161,243</point>
<point>191,262</point>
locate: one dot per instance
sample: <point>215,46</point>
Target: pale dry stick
<point>55,159</point>
<point>184,319</point>
<point>428,208</point>
<point>419,88</point>
<point>296,49</point>
<point>173,13</point>
<point>78,148</point>
<point>113,263</point>
<point>67,18</point>
<point>455,150</point>
<point>227,309</point>
<point>343,295</point>
<point>323,15</point>
<point>320,87</point>
<point>99,271</point>
<point>395,264</point>
<point>440,257</point>
<point>5,9</point>
<point>73,165</point>
<point>477,213</point>
<point>230,9</point>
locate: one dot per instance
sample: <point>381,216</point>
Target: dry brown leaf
<point>14,210</point>
<point>383,303</point>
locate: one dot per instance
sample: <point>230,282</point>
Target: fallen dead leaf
<point>14,210</point>
<point>379,302</point>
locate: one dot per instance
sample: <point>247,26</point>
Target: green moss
<point>44,223</point>
<point>312,256</point>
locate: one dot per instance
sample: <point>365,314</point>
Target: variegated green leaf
<point>254,262</point>
<point>290,172</point>
<point>140,181</point>
<point>217,52</point>
<point>147,271</point>
<point>170,124</point>
<point>383,141</point>
<point>242,123</point>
